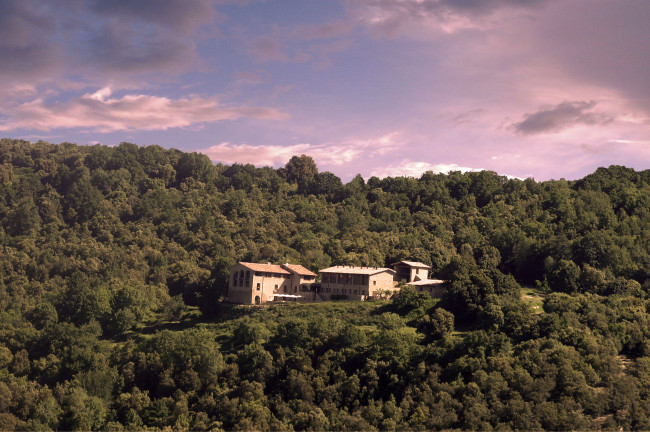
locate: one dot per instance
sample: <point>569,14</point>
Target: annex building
<point>416,274</point>
<point>357,283</point>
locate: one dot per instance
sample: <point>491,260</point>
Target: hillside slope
<point>100,247</point>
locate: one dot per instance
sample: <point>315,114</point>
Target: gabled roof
<point>412,264</point>
<point>357,270</point>
<point>298,269</point>
<point>268,268</point>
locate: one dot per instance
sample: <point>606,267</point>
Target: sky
<point>546,89</point>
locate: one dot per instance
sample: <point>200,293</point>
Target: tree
<point>436,325</point>
<point>563,275</point>
<point>300,169</point>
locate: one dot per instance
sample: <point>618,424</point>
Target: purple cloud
<point>26,46</point>
<point>559,117</point>
<point>177,15</point>
<point>141,36</point>
<point>450,15</point>
<point>39,40</point>
<point>600,42</point>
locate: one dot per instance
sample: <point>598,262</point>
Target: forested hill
<point>98,242</point>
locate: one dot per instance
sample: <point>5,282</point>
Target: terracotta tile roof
<point>267,268</point>
<point>356,270</point>
<point>298,269</point>
<point>412,264</point>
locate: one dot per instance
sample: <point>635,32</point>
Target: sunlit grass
<point>534,298</point>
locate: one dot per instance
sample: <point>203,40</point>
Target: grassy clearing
<point>534,298</point>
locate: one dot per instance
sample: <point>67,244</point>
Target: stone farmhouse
<point>252,283</point>
<point>356,283</point>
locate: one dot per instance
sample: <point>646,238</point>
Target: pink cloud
<point>447,16</point>
<point>408,168</point>
<point>302,43</point>
<point>327,154</point>
<point>99,112</point>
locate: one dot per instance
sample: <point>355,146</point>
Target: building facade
<point>252,283</point>
<point>411,271</point>
<point>356,283</point>
<point>416,274</point>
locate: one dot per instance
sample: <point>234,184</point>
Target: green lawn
<point>534,298</point>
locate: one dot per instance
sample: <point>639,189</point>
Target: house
<point>411,271</point>
<point>356,283</point>
<point>416,274</point>
<point>252,283</point>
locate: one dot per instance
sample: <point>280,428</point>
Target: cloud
<point>177,15</point>
<point>327,30</point>
<point>97,111</point>
<point>302,43</point>
<point>449,16</point>
<point>408,168</point>
<point>142,37</point>
<point>559,117</point>
<point>261,155</point>
<point>94,38</point>
<point>600,42</point>
<point>268,48</point>
<point>26,46</point>
<point>327,154</point>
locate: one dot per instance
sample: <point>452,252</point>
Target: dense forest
<point>114,265</point>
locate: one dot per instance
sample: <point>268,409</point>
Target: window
<point>258,286</point>
<point>276,288</point>
<point>374,282</point>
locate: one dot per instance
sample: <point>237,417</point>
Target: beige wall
<point>434,290</point>
<point>298,280</point>
<point>355,286</point>
<point>382,281</point>
<point>422,273</point>
<point>264,285</point>
<point>257,284</point>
